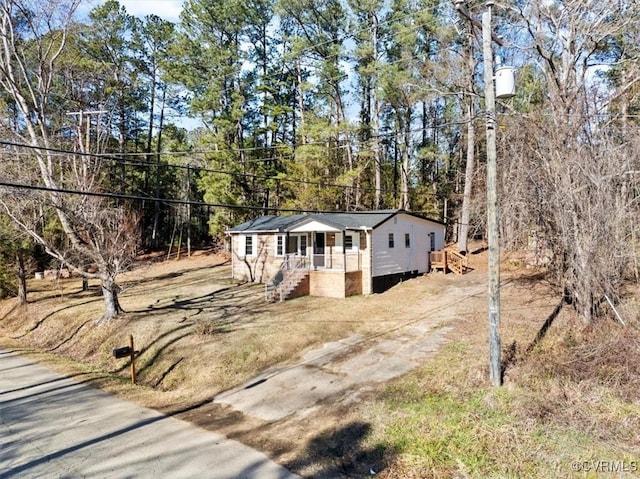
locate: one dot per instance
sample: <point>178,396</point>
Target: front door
<point>318,250</point>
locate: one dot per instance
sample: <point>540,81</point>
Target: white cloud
<point>166,9</point>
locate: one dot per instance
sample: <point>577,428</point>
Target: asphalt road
<point>54,427</point>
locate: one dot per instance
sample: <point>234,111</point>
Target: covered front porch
<point>315,250</point>
<point>321,263</point>
<point>331,283</point>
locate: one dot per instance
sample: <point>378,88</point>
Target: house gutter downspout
<point>232,249</point>
<point>369,246</point>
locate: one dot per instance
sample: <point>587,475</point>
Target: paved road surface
<point>54,427</point>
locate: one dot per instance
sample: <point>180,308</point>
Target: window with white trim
<point>391,240</point>
<point>348,242</point>
<point>407,240</point>
<point>248,245</point>
<point>280,245</point>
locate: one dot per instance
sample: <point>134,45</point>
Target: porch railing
<point>456,262</point>
<point>291,265</point>
<point>338,261</point>
<point>448,260</point>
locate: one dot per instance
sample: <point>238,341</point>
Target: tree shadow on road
<point>341,453</point>
<point>344,450</point>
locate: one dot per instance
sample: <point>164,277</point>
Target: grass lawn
<point>569,406</point>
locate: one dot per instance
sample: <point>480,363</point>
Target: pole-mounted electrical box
<point>505,82</point>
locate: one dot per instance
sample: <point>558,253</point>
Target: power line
<point>323,143</point>
<point>120,196</point>
<point>164,200</point>
<point>185,167</point>
<point>191,167</point>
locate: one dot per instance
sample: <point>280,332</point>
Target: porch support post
<point>285,246</point>
<point>313,250</point>
<point>344,250</point>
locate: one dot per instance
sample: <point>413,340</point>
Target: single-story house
<point>333,254</point>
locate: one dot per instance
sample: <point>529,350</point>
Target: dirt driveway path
<point>344,369</point>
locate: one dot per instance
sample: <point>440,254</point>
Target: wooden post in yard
<point>133,360</point>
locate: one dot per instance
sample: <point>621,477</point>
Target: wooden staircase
<point>286,280</point>
<point>282,291</point>
<point>448,260</point>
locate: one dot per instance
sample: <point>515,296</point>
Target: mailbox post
<point>131,352</point>
<point>133,359</point>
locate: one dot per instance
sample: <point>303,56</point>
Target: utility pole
<point>85,149</point>
<point>493,232</point>
<point>493,229</point>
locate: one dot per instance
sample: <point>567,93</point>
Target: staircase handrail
<point>299,263</point>
<point>458,262</point>
<point>291,264</point>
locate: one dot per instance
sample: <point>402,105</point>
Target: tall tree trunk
<point>112,306</point>
<point>122,142</point>
<point>405,204</point>
<point>396,149</point>
<point>377,157</point>
<point>465,217</point>
<point>156,204</point>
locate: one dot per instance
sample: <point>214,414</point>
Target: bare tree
<point>15,250</point>
<point>566,167</point>
<point>94,230</point>
<point>465,215</point>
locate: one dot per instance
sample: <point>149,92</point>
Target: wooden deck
<point>447,260</point>
<point>438,260</point>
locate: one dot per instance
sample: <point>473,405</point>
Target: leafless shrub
<point>569,164</point>
<point>570,379</point>
<point>54,198</point>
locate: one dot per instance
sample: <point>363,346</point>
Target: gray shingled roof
<point>355,220</point>
<point>341,220</point>
<point>267,223</point>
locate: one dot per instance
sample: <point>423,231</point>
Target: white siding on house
<point>400,259</point>
<point>355,239</point>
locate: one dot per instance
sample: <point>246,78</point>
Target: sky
<point>166,9</point>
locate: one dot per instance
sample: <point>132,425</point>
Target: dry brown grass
<point>570,394</point>
<point>198,332</point>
